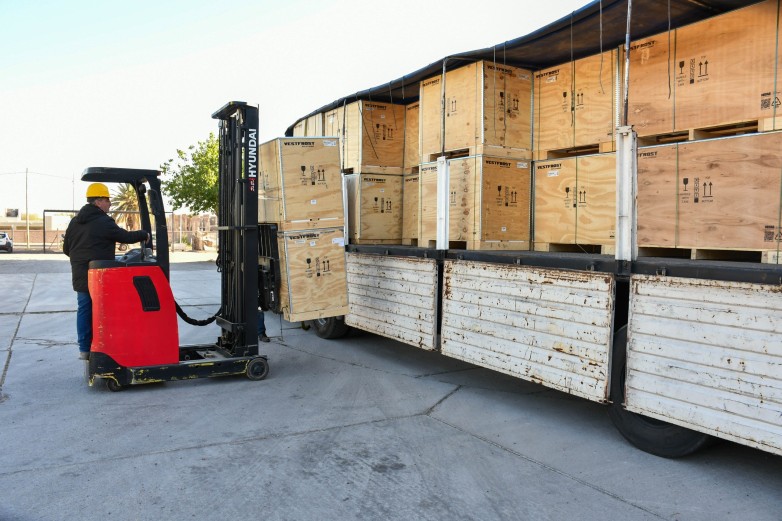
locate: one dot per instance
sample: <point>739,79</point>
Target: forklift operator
<point>92,235</point>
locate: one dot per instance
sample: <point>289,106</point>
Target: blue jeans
<point>261,323</point>
<point>84,321</point>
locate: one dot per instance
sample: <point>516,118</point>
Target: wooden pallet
<point>752,126</point>
<point>374,169</point>
<point>595,148</point>
<point>479,245</point>
<point>409,242</point>
<point>603,249</point>
<point>478,150</point>
<point>376,241</point>
<point>758,256</point>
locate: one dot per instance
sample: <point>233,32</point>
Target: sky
<point>126,83</point>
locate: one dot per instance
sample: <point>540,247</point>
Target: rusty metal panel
<point>707,355</point>
<point>549,326</point>
<point>394,297</point>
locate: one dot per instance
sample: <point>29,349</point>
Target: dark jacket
<point>92,235</point>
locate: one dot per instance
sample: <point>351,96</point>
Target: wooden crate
<point>718,71</point>
<point>309,127</point>
<point>374,208</point>
<point>410,198</point>
<point>487,106</point>
<point>489,200</point>
<point>726,68</point>
<point>575,103</point>
<point>300,183</point>
<point>312,269</point>
<point>575,201</point>
<point>371,136</point>
<point>718,193</point>
<point>657,196</point>
<point>412,156</point>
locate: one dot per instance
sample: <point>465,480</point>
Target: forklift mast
<point>237,258</point>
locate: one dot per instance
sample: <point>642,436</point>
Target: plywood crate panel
<point>650,95</point>
<point>554,116</point>
<point>309,127</point>
<point>487,105</point>
<point>575,200</point>
<point>312,266</point>
<point>371,135</point>
<point>555,201</point>
<point>412,155</point>
<point>718,71</point>
<point>334,122</point>
<point>657,196</point>
<point>575,103</point>
<point>489,199</point>
<point>726,68</point>
<point>410,197</point>
<point>596,208</point>
<point>374,207</point>
<point>721,193</point>
<point>301,185</point>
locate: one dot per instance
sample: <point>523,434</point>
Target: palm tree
<point>124,199</point>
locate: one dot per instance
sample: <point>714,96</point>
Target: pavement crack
<point>13,337</point>
<point>447,372</point>
<point>431,409</point>
<point>548,467</point>
<point>238,441</point>
<point>353,364</point>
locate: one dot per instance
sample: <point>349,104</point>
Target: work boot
<point>85,355</point>
<point>263,338</point>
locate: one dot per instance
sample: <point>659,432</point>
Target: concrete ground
<point>359,428</point>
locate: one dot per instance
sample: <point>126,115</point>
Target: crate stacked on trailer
<point>703,100</point>
<point>478,117</point>
<point>302,237</point>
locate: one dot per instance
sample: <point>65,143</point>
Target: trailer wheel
<point>113,385</point>
<point>257,369</point>
<point>330,328</point>
<point>648,434</point>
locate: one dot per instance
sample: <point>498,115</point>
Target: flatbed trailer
<point>681,350</point>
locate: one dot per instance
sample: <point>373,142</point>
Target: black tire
<point>113,385</point>
<point>648,434</point>
<point>257,369</point>
<point>330,328</point>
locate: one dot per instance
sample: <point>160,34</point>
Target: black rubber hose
<point>193,321</point>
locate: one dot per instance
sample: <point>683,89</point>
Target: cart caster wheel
<point>257,369</point>
<point>305,326</point>
<point>113,385</point>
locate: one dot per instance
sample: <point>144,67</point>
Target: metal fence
<point>50,238</point>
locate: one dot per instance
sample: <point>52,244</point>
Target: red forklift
<point>135,332</point>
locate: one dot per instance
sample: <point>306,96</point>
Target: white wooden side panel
<point>707,355</point>
<point>394,297</point>
<point>547,326</point>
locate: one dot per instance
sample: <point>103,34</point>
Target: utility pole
<point>26,208</point>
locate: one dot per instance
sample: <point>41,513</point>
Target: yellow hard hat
<point>97,190</point>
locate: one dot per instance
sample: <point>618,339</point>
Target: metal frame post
<point>443,202</point>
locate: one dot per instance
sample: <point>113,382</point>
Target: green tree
<point>124,199</point>
<point>190,180</point>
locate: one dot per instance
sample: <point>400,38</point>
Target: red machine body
<point>134,317</point>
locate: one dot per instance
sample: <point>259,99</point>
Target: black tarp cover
<point>571,37</point>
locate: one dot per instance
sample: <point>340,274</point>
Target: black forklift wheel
<point>257,369</point>
<point>113,385</point>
